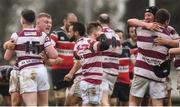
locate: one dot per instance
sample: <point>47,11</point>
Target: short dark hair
<point>79,27</point>
<point>104,18</point>
<point>162,16</point>
<point>28,15</point>
<point>92,26</point>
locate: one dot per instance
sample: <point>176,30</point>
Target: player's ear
<point>76,33</point>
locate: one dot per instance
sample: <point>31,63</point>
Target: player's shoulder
<point>60,33</point>
<point>171,30</point>
<point>14,35</point>
<point>58,29</point>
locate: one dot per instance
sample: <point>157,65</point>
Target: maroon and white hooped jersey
<point>110,57</point>
<point>86,50</point>
<point>29,43</point>
<point>176,36</point>
<point>149,54</point>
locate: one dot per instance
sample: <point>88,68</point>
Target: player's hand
<point>43,56</point>
<point>58,60</point>
<point>9,45</point>
<point>161,41</point>
<point>171,53</point>
<point>153,26</point>
<point>68,77</point>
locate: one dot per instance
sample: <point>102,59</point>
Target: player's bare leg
<point>30,98</point>
<point>105,98</point>
<point>16,99</point>
<point>42,98</point>
<point>157,102</point>
<point>134,101</point>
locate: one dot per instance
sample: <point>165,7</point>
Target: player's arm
<point>136,22</point>
<point>75,68</point>
<point>174,51</point>
<point>51,52</point>
<point>9,47</point>
<point>8,54</point>
<point>55,61</point>
<point>168,42</point>
<point>49,61</point>
<point>139,23</point>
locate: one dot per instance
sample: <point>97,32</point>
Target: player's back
<point>150,54</point>
<point>110,57</point>
<point>86,49</point>
<point>29,43</point>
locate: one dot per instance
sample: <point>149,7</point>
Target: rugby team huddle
<point>92,65</point>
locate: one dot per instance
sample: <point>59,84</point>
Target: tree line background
<point>86,10</point>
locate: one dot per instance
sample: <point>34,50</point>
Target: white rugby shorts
<point>140,86</point>
<point>34,79</point>
<point>91,93</point>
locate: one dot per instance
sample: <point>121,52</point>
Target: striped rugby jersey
<point>29,43</point>
<point>149,54</point>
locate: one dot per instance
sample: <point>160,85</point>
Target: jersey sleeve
<point>173,32</point>
<point>14,37</point>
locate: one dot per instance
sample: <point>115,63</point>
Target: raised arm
<point>136,22</point>
<point>139,23</point>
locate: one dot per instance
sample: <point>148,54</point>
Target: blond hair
<point>40,15</point>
